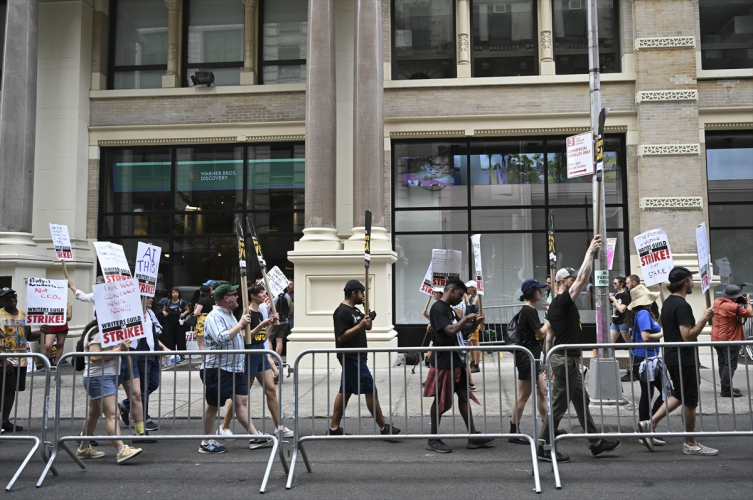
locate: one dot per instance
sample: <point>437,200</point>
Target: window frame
<point>259,56</point>
<point>721,46</point>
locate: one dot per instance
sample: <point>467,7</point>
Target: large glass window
<point>504,38</point>
<point>729,165</point>
<point>726,34</point>
<point>185,200</point>
<point>423,39</point>
<point>284,35</point>
<point>215,40</point>
<point>570,24</point>
<point>139,51</point>
<point>514,184</point>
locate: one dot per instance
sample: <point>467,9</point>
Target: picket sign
<point>278,282</point>
<point>113,261</point>
<point>655,256</point>
<point>445,264</point>
<point>119,313</point>
<point>46,302</point>
<point>476,244</point>
<point>425,287</point>
<point>147,267</point>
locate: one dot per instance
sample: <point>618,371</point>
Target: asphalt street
<point>376,469</point>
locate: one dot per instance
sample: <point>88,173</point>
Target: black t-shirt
<point>206,305</point>
<point>675,312</point>
<point>261,335</point>
<point>528,323</point>
<point>623,298</point>
<point>345,318</point>
<point>440,316</point>
<point>565,320</point>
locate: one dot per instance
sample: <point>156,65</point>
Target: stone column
<point>18,117</point>
<point>463,16</point>
<point>546,43</point>
<point>171,78</point>
<point>321,145</point>
<point>248,75</point>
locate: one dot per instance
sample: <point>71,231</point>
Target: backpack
<point>282,306</point>
<point>512,334</point>
<point>78,362</point>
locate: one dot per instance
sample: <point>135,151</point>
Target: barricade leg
<point>37,442</point>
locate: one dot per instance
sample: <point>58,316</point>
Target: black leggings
<point>647,392</point>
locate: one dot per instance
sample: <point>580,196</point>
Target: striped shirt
<point>219,321</point>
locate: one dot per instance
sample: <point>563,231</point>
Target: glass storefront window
<point>276,177</point>
<point>137,180</point>
<point>726,34</point>
<point>284,33</point>
<point>139,57</point>
<point>504,38</point>
<point>507,172</point>
<point>423,39</point>
<point>136,225</point>
<point>431,174</point>
<point>215,40</point>
<point>578,191</point>
<point>431,220</point>
<point>209,178</point>
<point>520,219</point>
<point>570,27</point>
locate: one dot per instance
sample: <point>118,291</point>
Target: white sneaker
<point>89,452</point>
<point>659,442</point>
<point>225,432</point>
<point>287,433</point>
<point>699,450</point>
<point>127,453</point>
<point>645,426</point>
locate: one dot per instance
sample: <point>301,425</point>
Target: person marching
<point>202,309</point>
<point>351,326</point>
<point>730,311</point>
<point>449,371</point>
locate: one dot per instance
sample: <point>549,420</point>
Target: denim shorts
<point>623,328</point>
<point>124,369</point>
<point>256,363</point>
<point>357,377</point>
<point>99,386</point>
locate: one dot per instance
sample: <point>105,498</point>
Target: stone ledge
<point>677,202</point>
<point>669,149</point>
<point>664,42</point>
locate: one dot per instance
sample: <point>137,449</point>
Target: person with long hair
<point>173,311</point>
<point>645,328</point>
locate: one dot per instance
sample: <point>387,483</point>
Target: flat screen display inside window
<point>431,171</point>
<point>141,177</point>
<point>279,173</point>
<point>217,175</point>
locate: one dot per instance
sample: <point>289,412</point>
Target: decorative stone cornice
<point>276,138</point>
<point>665,95</point>
<point>688,202</point>
<point>669,149</point>
<point>665,42</point>
<point>427,133</point>
<point>201,140</point>
<point>730,126</point>
<point>551,130</point>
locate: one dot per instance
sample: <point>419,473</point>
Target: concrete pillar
<point>321,145</point>
<point>546,39</point>
<point>18,117</point>
<point>248,75</point>
<point>463,20</point>
<point>171,78</point>
<point>100,34</point>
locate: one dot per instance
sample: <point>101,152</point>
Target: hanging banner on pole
<point>61,241</point>
<point>476,244</point>
<point>551,245</point>
<point>113,261</point>
<point>426,283</point>
<point>278,282</point>
<point>119,313</point>
<point>46,302</point>
<point>445,264</point>
<point>580,155</point>
<point>655,256</point>
<point>241,246</point>
<point>147,267</point>
<point>611,246</point>
<point>367,240</point>
<point>704,259</point>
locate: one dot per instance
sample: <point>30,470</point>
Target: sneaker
<point>225,432</point>
<point>518,440</point>
<point>604,447</point>
<point>546,455</point>
<point>476,443</point>
<point>89,452</point>
<point>438,446</point>
<point>698,450</point>
<point>151,426</point>
<point>389,430</point>
<point>627,378</point>
<point>559,432</point>
<point>128,453</point>
<point>11,427</point>
<point>472,387</point>
<point>125,415</point>
<point>656,441</point>
<point>734,394</point>
<point>337,432</point>
<point>287,433</point>
<point>142,438</point>
<point>645,426</point>
<point>258,443</point>
<point>475,368</point>
<point>91,443</point>
<point>212,447</point>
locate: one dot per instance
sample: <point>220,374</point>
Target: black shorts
<point>688,391</point>
<point>18,375</point>
<point>523,364</point>
<point>219,391</point>
<point>280,331</point>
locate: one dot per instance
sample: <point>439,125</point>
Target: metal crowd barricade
<point>26,398</point>
<point>172,426</point>
<point>489,428</point>
<point>744,407</point>
<point>497,319</point>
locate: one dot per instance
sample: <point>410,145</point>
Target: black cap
<point>677,274</point>
<point>6,291</point>
<point>353,285</point>
<point>733,292</point>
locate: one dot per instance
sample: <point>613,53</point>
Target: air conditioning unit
<point>577,4</point>
<point>501,8</point>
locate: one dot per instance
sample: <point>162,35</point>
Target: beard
<point>359,300</point>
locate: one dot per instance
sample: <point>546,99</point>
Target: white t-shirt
<point>112,366</point>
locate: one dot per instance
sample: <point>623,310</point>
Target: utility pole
<point>604,381</point>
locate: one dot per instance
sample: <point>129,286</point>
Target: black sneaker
<point>151,426</point>
<point>518,440</point>
<point>627,377</point>
<point>143,439</point>
<point>11,427</point>
<point>476,443</point>
<point>559,432</point>
<point>475,368</point>
<point>258,443</point>
<point>546,455</point>
<point>735,394</point>
<point>389,430</point>
<point>125,415</point>
<point>438,446</point>
<point>604,447</point>
<point>337,432</point>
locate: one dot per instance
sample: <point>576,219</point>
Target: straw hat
<point>641,296</point>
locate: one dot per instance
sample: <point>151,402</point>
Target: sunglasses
<point>233,294</point>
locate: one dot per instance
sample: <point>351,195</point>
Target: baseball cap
<point>469,284</point>
<point>677,274</point>
<point>6,291</point>
<point>210,283</point>
<point>732,292</point>
<point>353,285</point>
<point>565,272</point>
<point>222,290</point>
<point>437,289</point>
<point>531,283</point>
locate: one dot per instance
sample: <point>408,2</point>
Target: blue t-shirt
<point>644,322</point>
